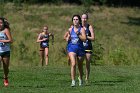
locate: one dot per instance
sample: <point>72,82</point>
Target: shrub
<point>97,53</point>
<point>87,4</point>
<point>118,57</point>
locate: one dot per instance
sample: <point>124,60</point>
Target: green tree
<point>87,4</point>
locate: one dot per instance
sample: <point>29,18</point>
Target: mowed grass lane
<point>104,79</point>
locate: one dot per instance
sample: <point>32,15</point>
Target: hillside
<point>117,33</point>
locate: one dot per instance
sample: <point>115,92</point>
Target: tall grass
<point>116,32</point>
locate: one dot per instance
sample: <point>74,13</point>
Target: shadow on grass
<point>132,21</point>
<point>107,83</point>
<point>1,73</point>
<point>51,84</point>
<point>28,86</point>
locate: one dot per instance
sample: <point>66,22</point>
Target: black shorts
<point>5,54</point>
<point>88,51</point>
<point>44,45</point>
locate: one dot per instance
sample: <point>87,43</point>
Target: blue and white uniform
<point>76,44</point>
<point>4,47</point>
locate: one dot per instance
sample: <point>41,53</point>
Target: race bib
<point>85,43</point>
<point>75,41</point>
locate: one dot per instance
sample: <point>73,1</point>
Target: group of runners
<point>79,47</point>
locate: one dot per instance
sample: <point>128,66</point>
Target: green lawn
<point>117,39</point>
<point>104,79</point>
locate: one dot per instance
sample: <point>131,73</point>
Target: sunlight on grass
<point>104,79</point>
<point>114,28</point>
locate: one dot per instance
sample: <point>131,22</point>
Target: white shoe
<point>73,83</point>
<point>80,81</point>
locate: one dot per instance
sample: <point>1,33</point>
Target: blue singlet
<point>75,44</point>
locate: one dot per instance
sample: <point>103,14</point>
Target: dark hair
<point>2,19</point>
<point>5,23</point>
<point>80,22</point>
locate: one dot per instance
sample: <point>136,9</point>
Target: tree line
<point>115,3</point>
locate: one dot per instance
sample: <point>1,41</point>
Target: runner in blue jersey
<point>88,45</point>
<point>75,48</point>
<point>5,40</point>
<point>43,38</point>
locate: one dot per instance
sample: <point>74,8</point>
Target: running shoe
<point>6,83</point>
<point>73,83</point>
<point>80,81</point>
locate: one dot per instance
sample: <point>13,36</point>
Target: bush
<point>118,57</point>
<point>84,2</point>
<point>17,2</point>
<point>87,4</point>
<point>97,53</point>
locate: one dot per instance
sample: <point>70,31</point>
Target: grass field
<point>104,79</point>
<point>116,32</point>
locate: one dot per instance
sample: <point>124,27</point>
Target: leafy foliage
<point>116,31</point>
<point>98,52</point>
<point>119,57</point>
<point>84,2</point>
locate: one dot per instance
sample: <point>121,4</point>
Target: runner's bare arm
<point>92,33</point>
